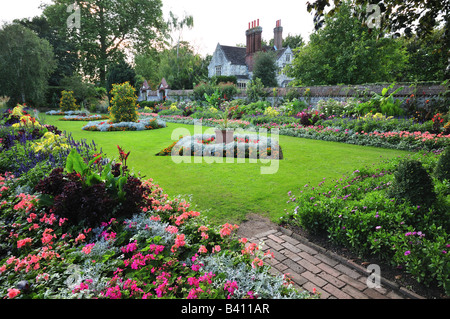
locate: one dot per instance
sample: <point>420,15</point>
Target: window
<point>219,70</point>
<point>242,85</point>
<point>288,58</point>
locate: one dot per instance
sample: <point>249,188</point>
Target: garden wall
<point>314,94</point>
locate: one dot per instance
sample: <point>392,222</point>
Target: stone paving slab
<point>313,268</point>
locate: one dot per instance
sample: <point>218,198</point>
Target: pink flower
<point>87,249</point>
<point>23,242</point>
<point>80,237</point>
<point>227,229</point>
<point>202,249</point>
<point>130,247</point>
<point>13,292</point>
<point>172,229</point>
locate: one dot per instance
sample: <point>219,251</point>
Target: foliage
<point>395,16</point>
<point>265,68</point>
<point>93,230</point>
<point>88,194</point>
<point>26,62</point>
<point>384,103</point>
<point>107,25</point>
<point>412,183</point>
<point>65,55</point>
<point>201,89</point>
<point>342,52</point>
<point>217,79</point>
<point>255,90</point>
<point>119,73</point>
<point>123,103</point>
<point>182,67</point>
<point>140,125</point>
<point>355,212</point>
<point>442,170</point>
<point>68,102</point>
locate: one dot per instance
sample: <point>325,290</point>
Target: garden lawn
<point>227,192</point>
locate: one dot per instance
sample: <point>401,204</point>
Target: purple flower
<point>378,227</point>
<point>407,252</point>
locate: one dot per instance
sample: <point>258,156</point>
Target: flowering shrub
<point>270,111</point>
<point>89,229</point>
<point>123,103</point>
<point>68,102</point>
<point>50,142</point>
<point>357,212</point>
<point>164,251</point>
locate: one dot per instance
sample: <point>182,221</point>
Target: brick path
<point>313,267</point>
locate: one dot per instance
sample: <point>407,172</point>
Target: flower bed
<point>88,228</point>
<point>243,146</point>
<point>403,140</point>
<point>140,125</point>
<point>165,251</point>
<point>84,117</point>
<point>360,213</point>
<point>59,112</point>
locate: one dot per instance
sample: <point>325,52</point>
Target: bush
<point>227,90</point>
<point>123,103</point>
<point>201,89</point>
<point>413,184</point>
<point>84,196</point>
<point>442,170</point>
<point>68,102</point>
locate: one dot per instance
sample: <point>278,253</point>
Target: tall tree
<point>65,52</point>
<point>265,69</point>
<point>292,41</point>
<point>408,17</point>
<point>106,29</point>
<point>26,62</point>
<point>119,73</point>
<point>181,67</point>
<point>344,51</point>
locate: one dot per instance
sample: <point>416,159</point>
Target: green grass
<point>227,192</point>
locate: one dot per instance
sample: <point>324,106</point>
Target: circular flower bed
<point>140,125</point>
<point>243,146</point>
<point>84,117</point>
<point>59,112</point>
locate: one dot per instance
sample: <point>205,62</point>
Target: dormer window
<point>288,58</point>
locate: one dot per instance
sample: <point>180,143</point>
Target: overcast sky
<point>223,22</point>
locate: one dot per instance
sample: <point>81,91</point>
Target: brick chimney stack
<point>278,35</point>
<point>254,42</point>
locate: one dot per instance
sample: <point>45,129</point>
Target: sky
<point>223,22</point>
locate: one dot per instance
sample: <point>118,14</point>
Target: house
<point>146,93</point>
<point>238,61</point>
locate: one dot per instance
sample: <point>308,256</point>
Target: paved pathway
<point>313,268</point>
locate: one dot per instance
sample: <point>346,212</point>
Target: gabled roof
<point>163,85</point>
<point>236,55</point>
<point>145,86</point>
